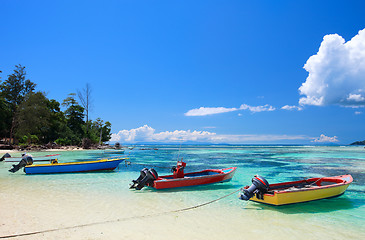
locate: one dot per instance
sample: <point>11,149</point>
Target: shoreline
<point>3,151</point>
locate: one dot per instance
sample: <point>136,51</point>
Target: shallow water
<point>101,205</point>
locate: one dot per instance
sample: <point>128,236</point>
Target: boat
<point>73,167</point>
<point>295,192</point>
<point>149,177</point>
<point>46,158</point>
<point>114,151</point>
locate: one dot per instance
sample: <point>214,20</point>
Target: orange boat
<point>295,192</point>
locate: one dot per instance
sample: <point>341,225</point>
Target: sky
<point>238,72</point>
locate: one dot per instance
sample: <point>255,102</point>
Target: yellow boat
<point>295,192</point>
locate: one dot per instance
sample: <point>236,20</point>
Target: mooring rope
<point>119,219</point>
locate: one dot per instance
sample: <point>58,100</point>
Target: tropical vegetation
<point>28,117</point>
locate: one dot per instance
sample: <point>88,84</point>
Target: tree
<point>57,122</point>
<point>5,119</point>
<point>86,102</point>
<point>74,116</point>
<point>32,117</point>
<point>13,91</point>
<point>100,132</point>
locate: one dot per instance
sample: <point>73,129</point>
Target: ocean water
<point>100,205</point>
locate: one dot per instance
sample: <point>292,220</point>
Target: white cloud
<point>323,138</point>
<point>263,108</point>
<point>356,98</point>
<point>290,108</point>
<point>336,73</point>
<point>148,134</point>
<point>358,112</point>
<point>203,111</point>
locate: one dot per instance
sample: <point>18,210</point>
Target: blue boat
<point>73,167</point>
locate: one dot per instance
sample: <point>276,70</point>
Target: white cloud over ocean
<point>336,73</point>
<point>325,139</point>
<point>149,134</point>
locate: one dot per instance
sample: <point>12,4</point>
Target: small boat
<point>47,158</point>
<point>72,167</point>
<point>295,192</point>
<point>114,151</point>
<point>178,179</point>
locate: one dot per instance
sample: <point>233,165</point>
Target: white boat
<point>46,158</point>
<point>114,151</point>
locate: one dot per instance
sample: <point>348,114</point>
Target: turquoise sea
<point>100,205</point>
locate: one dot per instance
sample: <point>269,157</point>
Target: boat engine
<point>259,187</point>
<point>6,155</point>
<point>147,177</point>
<point>26,160</point>
<point>178,170</point>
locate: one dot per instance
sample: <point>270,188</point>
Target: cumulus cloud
<point>203,111</point>
<point>290,108</point>
<point>323,138</point>
<point>148,134</point>
<point>336,73</point>
<point>358,112</point>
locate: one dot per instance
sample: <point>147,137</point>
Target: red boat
<point>149,177</point>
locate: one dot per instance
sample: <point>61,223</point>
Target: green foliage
<point>15,88</point>
<point>34,119</point>
<point>13,92</point>
<point>34,139</point>
<point>23,139</point>
<point>63,141</point>
<point>99,131</point>
<point>74,116</point>
<point>5,118</point>
<point>32,116</point>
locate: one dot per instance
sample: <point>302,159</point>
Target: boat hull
<point>72,167</point>
<point>324,188</point>
<point>209,176</point>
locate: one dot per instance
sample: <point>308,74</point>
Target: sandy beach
<point>78,213</point>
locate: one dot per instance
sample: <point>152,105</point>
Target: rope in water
<point>119,219</point>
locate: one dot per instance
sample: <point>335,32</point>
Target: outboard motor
<point>147,177</point>
<point>138,180</point>
<point>178,171</point>
<point>259,187</point>
<point>26,160</point>
<point>6,155</point>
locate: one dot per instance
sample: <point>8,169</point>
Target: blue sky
<point>206,71</point>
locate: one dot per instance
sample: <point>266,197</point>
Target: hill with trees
<point>358,143</point>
